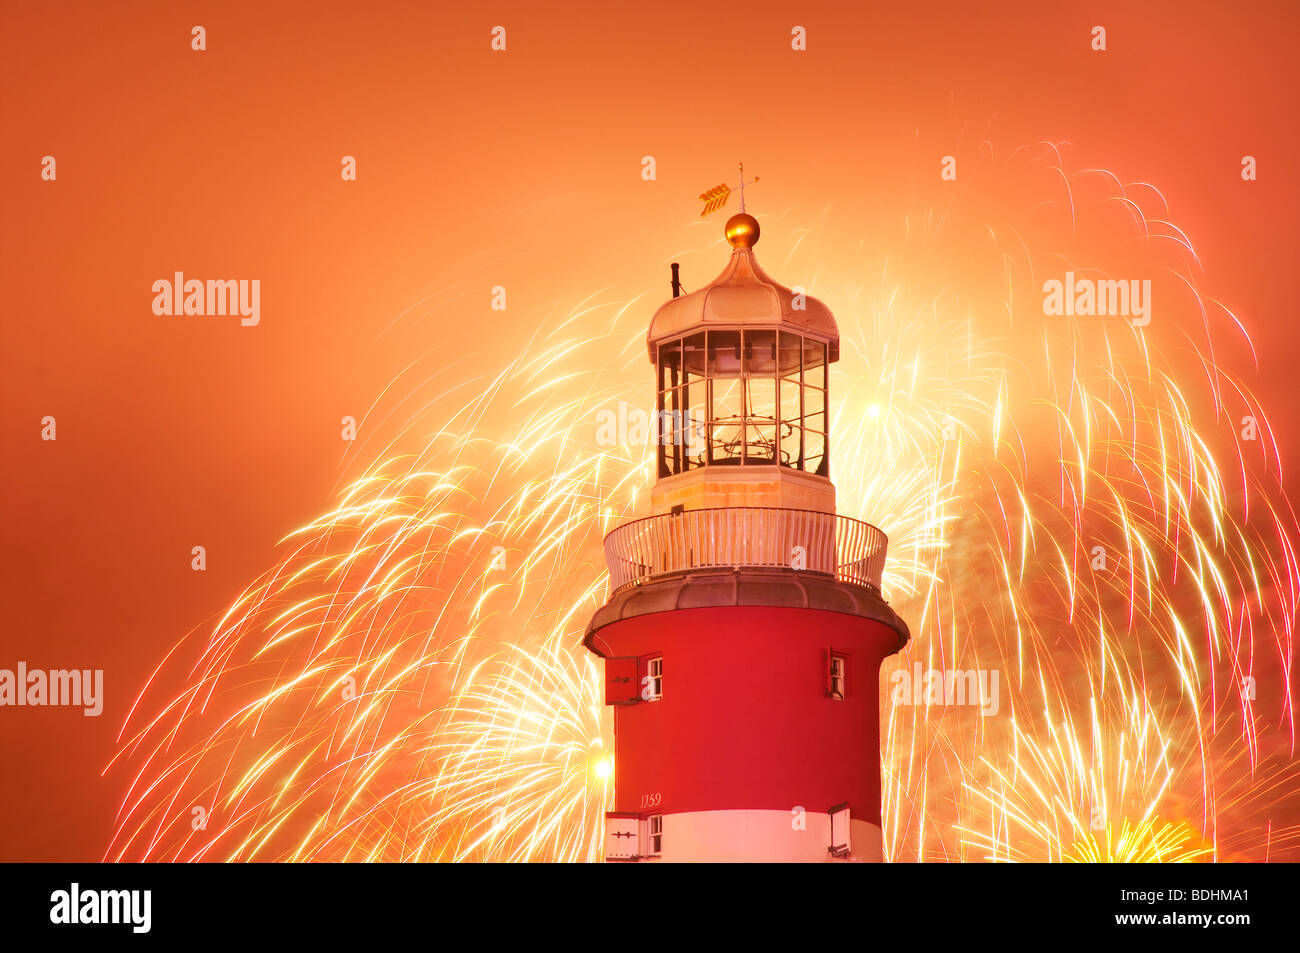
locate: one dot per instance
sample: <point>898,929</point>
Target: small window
<point>652,686</point>
<point>654,835</point>
<point>841,845</point>
<point>835,676</point>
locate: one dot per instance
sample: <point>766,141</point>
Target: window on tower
<point>841,844</point>
<point>654,844</point>
<point>652,685</point>
<point>836,669</point>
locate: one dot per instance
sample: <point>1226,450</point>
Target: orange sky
<point>475,169</point>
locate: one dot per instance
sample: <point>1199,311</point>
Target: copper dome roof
<point>743,296</point>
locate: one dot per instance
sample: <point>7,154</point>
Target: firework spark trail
<point>514,742</point>
<point>408,682</point>
<point>1135,473</point>
<point>369,637</point>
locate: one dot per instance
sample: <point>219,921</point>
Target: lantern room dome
<point>744,296</point>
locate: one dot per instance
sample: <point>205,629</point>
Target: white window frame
<point>654,836</point>
<point>654,668</point>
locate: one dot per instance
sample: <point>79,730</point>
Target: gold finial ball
<point>742,230</point>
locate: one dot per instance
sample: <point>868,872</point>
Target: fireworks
<point>1087,505</point>
<point>524,773</point>
<point>1151,842</point>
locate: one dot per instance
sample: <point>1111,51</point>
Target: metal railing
<point>848,549</point>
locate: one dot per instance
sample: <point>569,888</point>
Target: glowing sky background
<point>478,169</point>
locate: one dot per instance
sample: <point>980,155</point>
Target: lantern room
<point>743,390</point>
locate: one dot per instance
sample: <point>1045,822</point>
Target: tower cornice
<point>783,588</point>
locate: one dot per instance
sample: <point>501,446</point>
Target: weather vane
<point>716,197</point>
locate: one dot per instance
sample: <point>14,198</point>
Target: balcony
<point>740,537</point>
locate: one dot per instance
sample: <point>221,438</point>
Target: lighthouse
<point>744,630</point>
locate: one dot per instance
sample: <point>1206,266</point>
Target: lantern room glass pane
<point>760,403</point>
<point>667,417</point>
<point>760,353</point>
<point>814,402</point>
<point>693,426</point>
<point>724,354</point>
<point>695,401</point>
<point>790,368</point>
<point>693,363</point>
<point>670,364</point>
<point>760,400</point>
<point>814,453</point>
<point>791,412</point>
<point>727,421</point>
<point>814,363</point>
<point>760,444</point>
<point>791,445</point>
<point>670,367</point>
<point>789,355</point>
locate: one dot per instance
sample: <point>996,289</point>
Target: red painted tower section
<point>745,628</point>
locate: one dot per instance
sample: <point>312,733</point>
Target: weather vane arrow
<point>716,197</point>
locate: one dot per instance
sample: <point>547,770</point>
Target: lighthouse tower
<point>745,629</point>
